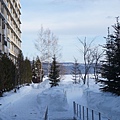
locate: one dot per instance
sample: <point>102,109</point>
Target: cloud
<point>67,19</point>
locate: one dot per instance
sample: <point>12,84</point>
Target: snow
<point>30,102</point>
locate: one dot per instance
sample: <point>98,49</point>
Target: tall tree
<point>20,65</point>
<point>76,72</point>
<point>89,58</point>
<point>27,71</point>
<point>54,73</point>
<point>34,76</point>
<point>39,70</point>
<point>111,66</point>
<point>47,45</point>
<point>97,62</point>
<point>7,74</point>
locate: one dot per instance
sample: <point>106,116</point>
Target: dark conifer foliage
<point>54,73</point>
<point>34,76</point>
<point>37,71</point>
<point>14,74</point>
<point>111,66</point>
<point>21,70</point>
<point>7,74</point>
<point>27,71</point>
<point>24,70</point>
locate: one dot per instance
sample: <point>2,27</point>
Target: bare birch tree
<point>47,45</point>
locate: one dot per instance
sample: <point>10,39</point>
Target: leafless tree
<point>47,45</point>
<point>89,58</point>
<point>98,56</point>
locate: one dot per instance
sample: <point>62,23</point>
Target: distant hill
<point>67,67</point>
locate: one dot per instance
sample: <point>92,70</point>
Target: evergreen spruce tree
<point>21,70</point>
<point>76,72</point>
<point>34,76</point>
<point>111,66</point>
<point>7,74</point>
<point>54,73</point>
<point>39,70</point>
<point>27,71</point>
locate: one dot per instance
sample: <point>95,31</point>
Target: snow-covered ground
<point>30,102</point>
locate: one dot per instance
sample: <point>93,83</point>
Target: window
<point>0,21</point>
<point>2,8</point>
<point>8,42</point>
<point>3,24</point>
<point>3,37</point>
<point>5,43</point>
<point>0,37</point>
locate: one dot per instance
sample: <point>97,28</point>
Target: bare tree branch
<point>89,56</point>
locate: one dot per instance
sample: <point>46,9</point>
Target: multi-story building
<point>10,32</point>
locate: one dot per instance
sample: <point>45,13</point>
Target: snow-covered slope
<point>30,102</point>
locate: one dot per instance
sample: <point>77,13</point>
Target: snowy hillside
<point>30,102</point>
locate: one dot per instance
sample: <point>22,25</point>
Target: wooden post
<point>74,109</point>
<point>77,109</point>
<point>99,116</point>
<point>83,112</point>
<point>46,114</point>
<point>92,115</point>
<point>80,111</point>
<point>87,114</point>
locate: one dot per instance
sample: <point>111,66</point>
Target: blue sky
<point>68,20</point>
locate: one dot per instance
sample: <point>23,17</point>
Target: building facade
<point>10,32</point>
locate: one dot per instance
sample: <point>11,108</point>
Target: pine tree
<point>111,66</point>
<point>116,89</point>
<point>76,72</point>
<point>34,76</point>
<point>39,70</point>
<point>7,74</point>
<point>27,71</point>
<point>54,73</point>
<point>20,65</point>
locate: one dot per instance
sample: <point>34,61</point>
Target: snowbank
<point>30,102</point>
<point>54,98</point>
<point>106,103</point>
<point>103,102</point>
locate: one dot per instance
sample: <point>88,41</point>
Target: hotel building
<point>10,32</point>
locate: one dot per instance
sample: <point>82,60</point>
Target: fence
<point>46,114</point>
<point>84,113</point>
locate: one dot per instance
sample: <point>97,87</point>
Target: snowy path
<point>26,103</point>
<point>23,107</point>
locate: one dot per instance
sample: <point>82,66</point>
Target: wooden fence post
<point>92,115</point>
<point>74,109</point>
<point>99,116</point>
<point>46,114</point>
<point>77,110</point>
<point>80,111</point>
<point>87,114</point>
<point>83,112</point>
